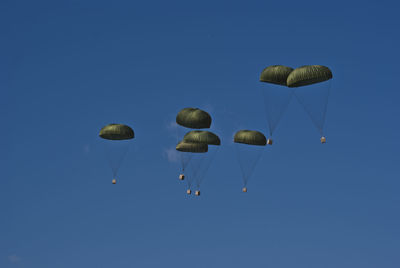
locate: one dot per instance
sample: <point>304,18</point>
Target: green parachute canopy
<point>198,136</point>
<point>190,147</point>
<point>117,132</point>
<point>193,118</point>
<point>275,74</point>
<point>308,75</point>
<point>250,137</point>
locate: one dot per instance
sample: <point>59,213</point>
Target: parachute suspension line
<point>114,173</point>
<point>269,119</point>
<point>241,166</point>
<point>319,125</point>
<point>200,179</point>
<point>189,181</point>
<point>182,161</point>
<point>196,170</point>
<point>272,124</point>
<point>185,159</point>
<point>255,163</point>
<point>309,114</point>
<point>121,159</point>
<point>252,167</point>
<point>191,175</point>
<point>117,165</point>
<point>188,161</point>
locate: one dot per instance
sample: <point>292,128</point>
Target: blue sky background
<point>67,68</point>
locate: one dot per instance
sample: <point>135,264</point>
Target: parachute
<point>275,74</point>
<point>193,118</point>
<point>308,75</point>
<point>187,151</point>
<point>250,137</point>
<point>116,138</point>
<point>312,83</point>
<point>117,132</point>
<point>198,136</point>
<point>276,94</point>
<point>189,147</point>
<point>248,156</point>
<point>202,164</point>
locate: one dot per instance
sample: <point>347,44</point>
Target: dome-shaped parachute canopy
<point>193,118</point>
<point>198,136</point>
<point>308,75</point>
<point>276,74</point>
<point>250,137</point>
<point>117,132</point>
<point>190,147</point>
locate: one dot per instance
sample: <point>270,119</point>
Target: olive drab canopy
<point>308,75</point>
<point>276,94</point>
<point>193,118</point>
<point>198,136</point>
<point>250,137</point>
<point>189,147</point>
<point>311,93</point>
<point>117,132</point>
<point>275,74</point>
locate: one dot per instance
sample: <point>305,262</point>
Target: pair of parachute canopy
<point>196,141</point>
<point>299,77</point>
<point>302,76</point>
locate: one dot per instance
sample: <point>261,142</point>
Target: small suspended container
<point>181,177</point>
<point>269,141</point>
<point>244,190</point>
<point>323,140</point>
<point>188,191</point>
<point>197,193</point>
<point>114,181</point>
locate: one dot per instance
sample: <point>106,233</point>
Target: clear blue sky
<point>67,68</point>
